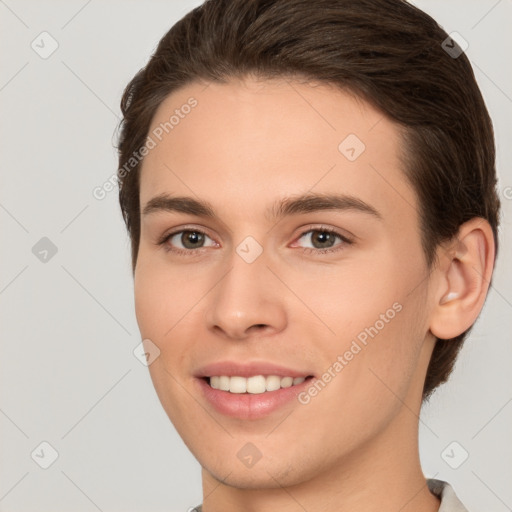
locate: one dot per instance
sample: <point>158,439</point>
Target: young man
<point>309,188</point>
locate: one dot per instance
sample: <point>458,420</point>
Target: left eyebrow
<point>306,203</point>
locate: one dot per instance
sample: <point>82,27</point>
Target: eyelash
<point>306,250</point>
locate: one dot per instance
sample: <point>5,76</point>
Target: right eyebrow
<point>164,202</point>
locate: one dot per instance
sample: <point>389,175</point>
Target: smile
<point>250,390</point>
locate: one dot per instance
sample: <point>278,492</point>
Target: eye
<point>186,241</point>
<point>323,240</point>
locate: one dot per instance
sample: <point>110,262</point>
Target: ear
<point>465,265</point>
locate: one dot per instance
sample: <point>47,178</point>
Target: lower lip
<point>250,406</point>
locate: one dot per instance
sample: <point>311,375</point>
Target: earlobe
<point>466,266</point>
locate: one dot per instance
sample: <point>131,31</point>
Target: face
<point>281,276</point>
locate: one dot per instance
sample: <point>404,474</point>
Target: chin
<point>264,474</point>
<point>253,478</point>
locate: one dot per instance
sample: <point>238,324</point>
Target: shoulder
<point>444,491</point>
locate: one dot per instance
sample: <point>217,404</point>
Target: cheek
<point>163,296</point>
<point>373,379</point>
<point>150,301</point>
<point>379,326</point>
<point>394,352</point>
<point>167,312</point>
<point>161,309</point>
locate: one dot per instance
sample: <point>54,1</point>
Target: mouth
<point>254,385</point>
<point>250,390</point>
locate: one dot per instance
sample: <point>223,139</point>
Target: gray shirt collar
<point>443,490</point>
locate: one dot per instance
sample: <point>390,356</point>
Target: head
<point>272,101</point>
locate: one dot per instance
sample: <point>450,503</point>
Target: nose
<point>247,301</point>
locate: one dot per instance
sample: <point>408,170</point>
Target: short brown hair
<point>387,52</point>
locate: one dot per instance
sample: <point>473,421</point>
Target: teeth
<point>237,385</point>
<point>286,382</point>
<point>273,383</point>
<point>255,385</point>
<point>224,383</point>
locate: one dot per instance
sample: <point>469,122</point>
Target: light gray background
<point>68,373</point>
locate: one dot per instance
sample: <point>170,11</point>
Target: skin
<point>245,145</point>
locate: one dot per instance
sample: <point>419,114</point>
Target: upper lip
<point>248,369</point>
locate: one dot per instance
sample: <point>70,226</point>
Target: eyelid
<point>175,231</point>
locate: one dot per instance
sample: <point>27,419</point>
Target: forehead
<point>248,142</point>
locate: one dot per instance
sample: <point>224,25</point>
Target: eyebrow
<point>302,204</point>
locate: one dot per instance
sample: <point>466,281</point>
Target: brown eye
<point>323,239</point>
<point>186,241</point>
<point>192,239</point>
